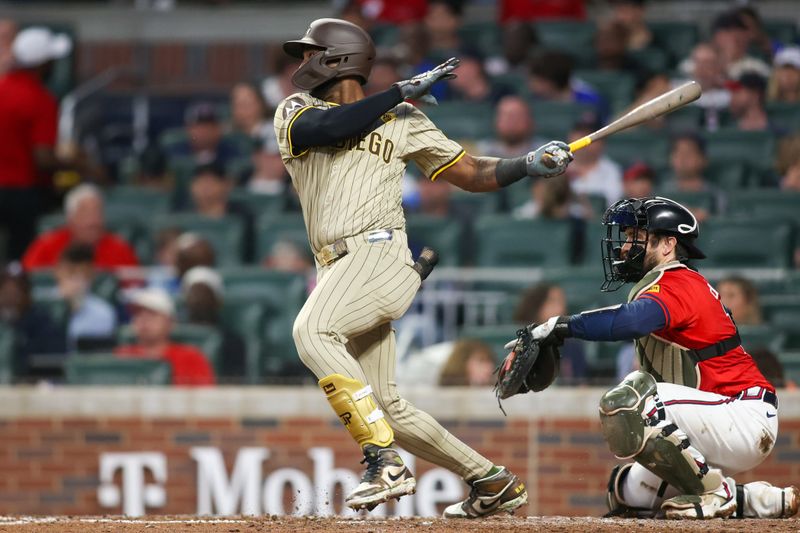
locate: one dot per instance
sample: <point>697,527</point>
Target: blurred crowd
<point>208,204</point>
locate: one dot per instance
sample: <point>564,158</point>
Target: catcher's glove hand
<point>418,87</point>
<point>532,365</point>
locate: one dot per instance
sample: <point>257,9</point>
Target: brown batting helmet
<point>347,50</point>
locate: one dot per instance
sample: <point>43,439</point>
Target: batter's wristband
<point>510,171</point>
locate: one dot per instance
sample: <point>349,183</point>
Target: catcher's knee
<point>621,416</point>
<point>355,406</point>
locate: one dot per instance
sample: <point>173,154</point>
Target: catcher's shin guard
<point>353,403</point>
<point>663,450</point>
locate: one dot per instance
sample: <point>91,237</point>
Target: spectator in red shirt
<point>28,120</point>
<point>153,320</point>
<point>85,225</point>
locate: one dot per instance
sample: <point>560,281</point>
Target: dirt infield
<point>283,524</point>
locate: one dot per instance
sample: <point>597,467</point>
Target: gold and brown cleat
<point>500,492</point>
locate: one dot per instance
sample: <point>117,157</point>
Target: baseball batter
<point>346,154</point>
<point>699,410</point>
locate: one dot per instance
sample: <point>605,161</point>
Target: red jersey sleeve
<point>45,122</point>
<point>674,300</point>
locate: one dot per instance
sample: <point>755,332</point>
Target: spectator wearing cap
<point>90,317</point>
<point>638,181</point>
<point>204,142</point>
<point>784,86</point>
<point>153,322</point>
<point>204,295</point>
<point>85,224</point>
<point>748,101</point>
<point>28,124</point>
<point>592,172</point>
<point>35,332</point>
<point>550,79</point>
<point>210,191</point>
<point>730,35</point>
<point>8,30</point>
<point>630,14</point>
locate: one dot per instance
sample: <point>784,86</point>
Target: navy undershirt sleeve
<point>326,127</point>
<point>625,322</point>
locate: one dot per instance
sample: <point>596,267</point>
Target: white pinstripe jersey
<point>354,186</point>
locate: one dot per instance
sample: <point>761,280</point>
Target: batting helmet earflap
<point>346,50</point>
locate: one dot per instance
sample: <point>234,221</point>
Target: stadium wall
<point>81,451</point>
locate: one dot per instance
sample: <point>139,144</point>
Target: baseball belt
<point>333,252</point>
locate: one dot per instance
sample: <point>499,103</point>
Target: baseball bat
<point>660,105</point>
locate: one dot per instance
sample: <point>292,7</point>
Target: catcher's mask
<point>653,215</point>
<point>345,50</point>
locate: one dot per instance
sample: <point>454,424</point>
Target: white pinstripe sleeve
<point>427,146</point>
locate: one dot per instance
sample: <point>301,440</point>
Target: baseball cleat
<point>386,478</point>
<point>500,492</point>
<point>424,264</point>
<point>702,507</point>
<point>790,501</point>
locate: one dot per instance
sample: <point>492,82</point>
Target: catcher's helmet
<point>346,50</point>
<point>653,214</point>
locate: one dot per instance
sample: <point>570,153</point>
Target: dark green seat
<point>616,87</point>
<point>753,243</point>
<point>728,175</point>
<point>554,119</point>
<point>7,363</point>
<point>225,234</point>
<point>272,228</point>
<point>678,38</point>
<point>440,233</point>
<point>581,285</point>
<point>688,118</point>
<point>112,370</point>
<point>783,30</point>
<point>463,120</point>
<point>786,318</point>
<point>784,115</point>
<point>385,35</point>
<point>503,241</point>
<point>762,337</point>
<point>756,148</point>
<point>765,202</point>
<point>484,36</point>
<point>570,36</point>
<point>485,203</point>
<point>207,339</point>
<point>259,204</point>
<point>651,58</point>
<point>705,200</point>
<point>245,316</point>
<point>138,202</point>
<point>495,336</point>
<point>640,145</point>
<point>601,359</point>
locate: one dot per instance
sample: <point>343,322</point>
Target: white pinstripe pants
<point>345,328</point>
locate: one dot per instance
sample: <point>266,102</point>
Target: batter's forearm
<point>491,173</point>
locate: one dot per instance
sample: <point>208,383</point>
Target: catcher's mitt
<point>531,366</point>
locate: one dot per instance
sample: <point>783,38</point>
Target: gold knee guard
<point>353,403</point>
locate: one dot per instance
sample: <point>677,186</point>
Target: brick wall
<point>49,465</point>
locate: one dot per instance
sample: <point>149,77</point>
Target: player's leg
<point>635,429</point>
<point>321,342</point>
<point>495,489</point>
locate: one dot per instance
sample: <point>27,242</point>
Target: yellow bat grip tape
<point>583,142</point>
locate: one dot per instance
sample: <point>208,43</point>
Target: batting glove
<point>417,87</point>
<point>549,161</point>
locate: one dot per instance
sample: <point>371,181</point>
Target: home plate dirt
<point>284,524</point>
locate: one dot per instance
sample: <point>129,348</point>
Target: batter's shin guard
<point>353,403</point>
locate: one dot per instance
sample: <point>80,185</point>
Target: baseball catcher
<point>698,411</point>
<point>346,154</point>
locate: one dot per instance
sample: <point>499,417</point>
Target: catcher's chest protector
<point>666,361</point>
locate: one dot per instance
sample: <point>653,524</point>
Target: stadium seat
<point>601,360</point>
<point>440,233</point>
<point>245,316</point>
<point>573,37</point>
<point>754,243</point>
<point>225,234</point>
<point>784,115</point>
<point>281,295</point>
<point>640,145</point>
<point>271,228</point>
<point>463,120</point>
<point>705,200</point>
<point>503,241</point>
<point>765,203</point>
<point>784,31</point>
<point>616,87</point>
<point>688,118</point>
<point>207,339</point>
<point>259,204</point>
<point>651,58</point>
<point>554,119</point>
<point>678,38</point>
<point>762,337</point>
<point>581,286</point>
<point>485,36</point>
<point>786,318</point>
<point>7,363</point>
<point>137,202</point>
<point>756,148</point>
<point>495,336</point>
<point>107,369</point>
<point>729,176</point>
<point>385,35</point>
<point>485,203</point>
